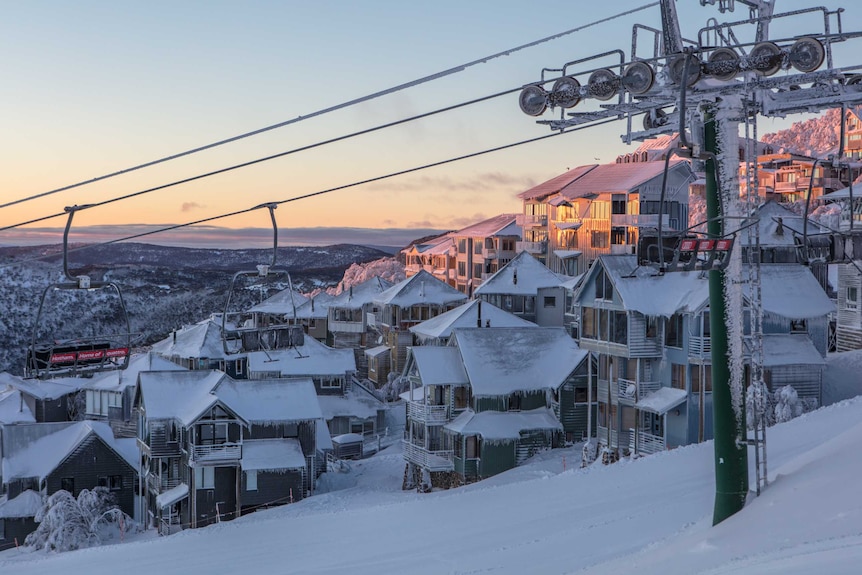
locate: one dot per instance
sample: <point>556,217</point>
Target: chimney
<point>515,277</point>
<point>779,231</point>
<point>479,311</point>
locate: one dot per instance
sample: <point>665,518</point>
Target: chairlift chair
<point>241,333</point>
<point>52,357</point>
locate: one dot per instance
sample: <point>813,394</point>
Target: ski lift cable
<point>321,192</point>
<point>268,158</point>
<point>321,112</point>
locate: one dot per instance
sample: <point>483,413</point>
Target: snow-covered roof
<point>179,395</point>
<point>375,351</point>
<point>662,400</point>
<point>503,425</point>
<point>554,185</point>
<point>501,225</point>
<point>351,404</point>
<point>467,315</point>
<point>315,308</point>
<point>172,495</point>
<point>347,438</point>
<point>43,388</point>
<point>619,178</point>
<point>27,504</point>
<point>200,340</point>
<point>791,291</point>
<point>36,453</point>
<point>118,380</point>
<point>774,234</point>
<point>312,358</point>
<point>13,408</point>
<point>270,400</point>
<point>524,275</point>
<point>322,438</point>
<point>361,294</point>
<point>790,349</point>
<point>422,288</point>
<point>282,303</point>
<point>644,291</point>
<point>272,455</point>
<point>439,365</point>
<point>501,361</point>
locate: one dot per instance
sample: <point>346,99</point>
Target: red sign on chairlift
<point>65,357</point>
<point>688,245</point>
<point>724,245</point>
<point>705,245</point>
<point>118,352</point>
<point>91,354</point>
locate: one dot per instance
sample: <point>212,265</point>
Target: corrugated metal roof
<point>490,227</point>
<point>554,185</point>
<point>620,178</point>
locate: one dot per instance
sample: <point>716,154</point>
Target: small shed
<point>347,446</point>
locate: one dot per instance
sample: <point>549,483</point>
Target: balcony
<point>647,443</point>
<point>603,391</point>
<point>699,346</point>
<point>347,326</point>
<point>625,249</point>
<point>532,247</point>
<point>418,411</point>
<point>217,453</point>
<point>630,392</point>
<point>158,485</point>
<point>639,220</point>
<point>430,460</point>
<point>532,220</point>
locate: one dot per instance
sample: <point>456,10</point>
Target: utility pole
<point>664,88</point>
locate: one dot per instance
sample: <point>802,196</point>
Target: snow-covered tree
<point>395,385</point>
<point>787,404</point>
<point>66,523</point>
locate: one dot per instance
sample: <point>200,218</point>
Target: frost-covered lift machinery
<point>241,331</point>
<point>738,84</point>
<point>51,357</point>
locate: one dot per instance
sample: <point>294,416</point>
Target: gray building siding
<point>273,488</point>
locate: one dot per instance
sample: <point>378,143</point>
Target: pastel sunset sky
<point>96,86</point>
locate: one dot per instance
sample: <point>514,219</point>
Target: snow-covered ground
<point>651,515</point>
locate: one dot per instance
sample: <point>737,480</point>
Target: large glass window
<point>677,375</point>
<point>588,320</point>
<point>673,331</point>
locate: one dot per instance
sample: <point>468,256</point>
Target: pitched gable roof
<point>204,339</point>
<point>524,275</point>
<point>468,315</point>
<point>360,294</point>
<point>179,395</point>
<point>501,225</point>
<point>423,288</point>
<point>282,303</point>
<point>312,358</point>
<point>41,450</point>
<point>501,361</point>
<point>439,365</point>
<point>619,178</point>
<point>13,408</point>
<point>555,185</point>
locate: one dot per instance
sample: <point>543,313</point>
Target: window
<point>588,319</point>
<point>515,402</point>
<point>677,375</point>
<point>852,299</point>
<point>472,451</point>
<point>618,204</point>
<point>462,269</point>
<point>68,484</point>
<point>205,478</point>
<point>508,245</point>
<point>330,382</point>
<point>550,301</point>
<point>460,397</point>
<point>604,287</point>
<point>673,331</point>
<point>798,326</point>
<point>651,326</point>
<point>581,394</point>
<point>477,271</point>
<point>477,248</point>
<point>598,239</point>
<point>102,481</point>
<point>240,366</point>
<point>251,480</point>
<point>696,378</point>
<point>618,236</point>
<point>115,482</point>
<point>462,246</point>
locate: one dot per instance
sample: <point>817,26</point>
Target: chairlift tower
<point>712,84</point>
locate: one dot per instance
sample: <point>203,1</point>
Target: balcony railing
<point>602,391</point>
<point>418,411</point>
<point>532,247</point>
<point>531,220</point>
<point>699,346</point>
<point>639,220</point>
<point>626,249</point>
<point>430,460</point>
<point>160,486</point>
<point>216,453</point>
<point>647,443</point>
<point>346,326</point>
<point>618,439</point>
<point>631,391</point>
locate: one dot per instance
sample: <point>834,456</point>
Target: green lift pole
<point>731,451</point>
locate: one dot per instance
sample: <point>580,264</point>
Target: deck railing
<point>418,411</point>
<point>628,387</point>
<point>431,460</point>
<point>647,443</point>
<point>216,452</point>
<point>699,346</point>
